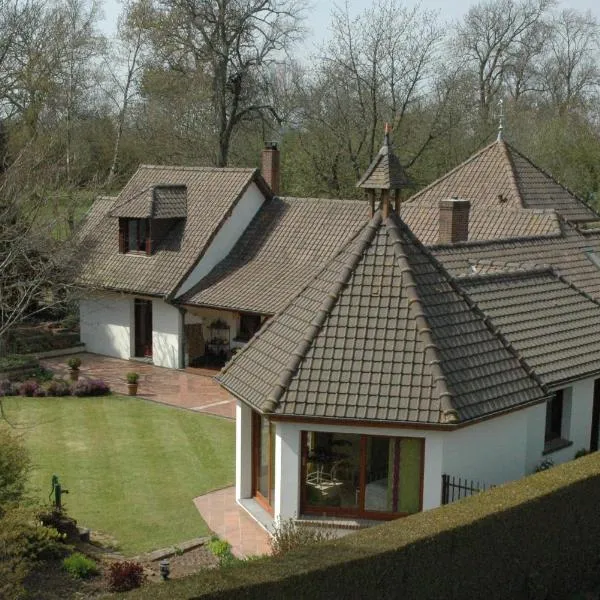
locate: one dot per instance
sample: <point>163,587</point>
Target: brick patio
<point>232,523</point>
<point>194,389</point>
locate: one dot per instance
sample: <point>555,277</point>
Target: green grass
<point>131,467</point>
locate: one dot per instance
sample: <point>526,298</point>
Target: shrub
<point>92,387</point>
<point>14,468</point>
<point>581,452</point>
<point>80,566</point>
<point>7,388</point>
<point>132,377</point>
<point>43,375</point>
<point>74,362</point>
<point>288,535</point>
<point>58,387</point>
<point>29,389</point>
<point>222,550</point>
<point>125,575</point>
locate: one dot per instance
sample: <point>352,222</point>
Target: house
<point>399,363</point>
<point>186,264</point>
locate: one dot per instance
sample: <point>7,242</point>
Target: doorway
<point>595,417</point>
<point>142,328</point>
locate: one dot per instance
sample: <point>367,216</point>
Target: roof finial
<point>387,128</point>
<point>500,119</point>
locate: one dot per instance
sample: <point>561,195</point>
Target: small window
<point>134,236</point>
<point>249,325</point>
<point>554,417</point>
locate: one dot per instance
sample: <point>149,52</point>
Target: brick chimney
<point>454,221</point>
<point>270,166</point>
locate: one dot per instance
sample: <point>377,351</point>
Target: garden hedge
<point>535,538</point>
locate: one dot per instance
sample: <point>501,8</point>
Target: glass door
<point>263,476</point>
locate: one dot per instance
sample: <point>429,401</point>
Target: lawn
<point>131,467</point>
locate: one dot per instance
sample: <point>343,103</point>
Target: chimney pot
<point>270,166</point>
<point>454,221</point>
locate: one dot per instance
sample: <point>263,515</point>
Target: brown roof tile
<point>551,324</point>
<point>382,333</point>
<point>210,195</point>
<point>385,172</point>
<point>500,176</point>
<point>288,241</point>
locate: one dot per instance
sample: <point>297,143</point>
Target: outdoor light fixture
<point>164,569</point>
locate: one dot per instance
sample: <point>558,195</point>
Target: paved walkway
<point>192,388</point>
<point>232,523</point>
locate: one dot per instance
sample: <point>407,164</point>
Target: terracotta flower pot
<point>74,374</point>
<point>132,388</point>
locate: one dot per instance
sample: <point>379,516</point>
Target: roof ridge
<point>368,233</point>
<point>514,274</point>
<point>454,283</point>
<point>451,172</point>
<point>552,178</point>
<point>449,413</point>
<point>511,172</point>
<point>207,169</point>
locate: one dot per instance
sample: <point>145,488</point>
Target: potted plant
<point>74,364</point>
<point>132,382</point>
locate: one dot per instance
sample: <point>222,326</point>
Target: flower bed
<point>33,388</point>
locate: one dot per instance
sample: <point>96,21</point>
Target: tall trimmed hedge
<point>533,539</point>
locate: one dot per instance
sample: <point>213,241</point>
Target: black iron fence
<point>455,488</point>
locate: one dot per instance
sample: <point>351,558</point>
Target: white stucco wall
<point>106,324</point>
<point>167,335</point>
<point>227,236</point>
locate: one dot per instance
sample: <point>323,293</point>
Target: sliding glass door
<point>361,475</point>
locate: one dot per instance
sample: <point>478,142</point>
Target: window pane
<point>143,234</point>
<point>263,457</point>
<point>132,234</point>
<point>380,474</point>
<point>409,478</point>
<point>332,473</point>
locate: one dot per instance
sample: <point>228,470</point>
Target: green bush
<point>288,535</point>
<point>222,550</point>
<point>80,566</point>
<point>14,468</point>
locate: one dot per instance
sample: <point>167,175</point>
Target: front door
<point>595,417</point>
<point>143,327</point>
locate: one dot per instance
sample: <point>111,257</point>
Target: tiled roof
<point>381,333</point>
<point>288,241</point>
<point>485,223</point>
<point>291,239</point>
<point>211,194</point>
<point>570,255</point>
<point>385,172</point>
<point>157,201</point>
<point>550,323</point>
<point>500,176</point>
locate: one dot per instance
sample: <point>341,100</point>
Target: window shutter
<point>123,241</point>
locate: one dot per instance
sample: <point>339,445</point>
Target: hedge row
<point>536,538</point>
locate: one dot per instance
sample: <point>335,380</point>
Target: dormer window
<point>134,236</point>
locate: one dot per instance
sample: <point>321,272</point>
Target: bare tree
<point>491,35</point>
<point>235,43</point>
<point>571,72</point>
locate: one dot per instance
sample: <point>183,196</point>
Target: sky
<point>319,16</point>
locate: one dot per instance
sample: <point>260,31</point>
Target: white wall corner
<point>287,472</point>
<point>167,334</point>
<point>243,451</point>
<point>227,236</point>
<point>432,471</point>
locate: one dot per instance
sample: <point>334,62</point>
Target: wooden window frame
<point>124,240</point>
<point>265,502</point>
<point>359,512</point>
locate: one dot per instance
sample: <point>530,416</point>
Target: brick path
<point>192,388</point>
<point>232,523</point>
